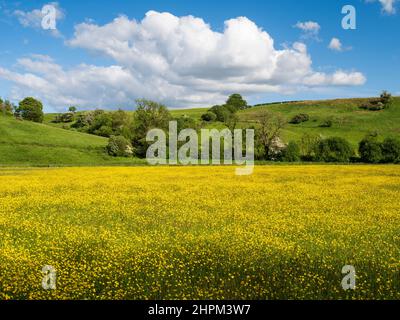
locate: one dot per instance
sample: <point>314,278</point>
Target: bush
<point>328,123</point>
<point>209,117</point>
<point>64,118</point>
<point>334,150</point>
<point>222,113</point>
<point>300,118</point>
<point>386,99</point>
<point>118,146</point>
<point>30,109</point>
<point>391,150</point>
<point>291,153</point>
<point>370,150</point>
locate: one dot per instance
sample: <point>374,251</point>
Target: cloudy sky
<point>106,54</point>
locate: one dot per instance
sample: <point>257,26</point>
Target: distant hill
<point>27,143</point>
<point>31,144</point>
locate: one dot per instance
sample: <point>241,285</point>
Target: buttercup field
<point>165,233</point>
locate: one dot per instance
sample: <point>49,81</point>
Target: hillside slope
<point>349,121</point>
<point>31,144</point>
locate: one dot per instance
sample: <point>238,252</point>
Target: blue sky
<point>109,63</point>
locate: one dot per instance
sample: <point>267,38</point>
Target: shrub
<point>386,99</point>
<point>222,113</point>
<point>291,153</point>
<point>64,118</point>
<point>30,109</point>
<point>209,116</point>
<point>118,146</point>
<point>334,150</point>
<point>370,150</point>
<point>328,123</point>
<point>391,150</point>
<point>300,118</point>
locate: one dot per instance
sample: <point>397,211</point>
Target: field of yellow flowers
<point>284,232</point>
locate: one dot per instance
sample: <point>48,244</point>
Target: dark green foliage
<point>64,118</point>
<point>386,99</point>
<point>30,109</point>
<point>72,109</point>
<point>222,112</point>
<point>300,118</point>
<point>291,153</point>
<point>149,115</point>
<point>391,150</point>
<point>370,149</point>
<point>328,123</point>
<point>209,117</point>
<point>236,102</point>
<point>334,150</point>
<point>119,146</point>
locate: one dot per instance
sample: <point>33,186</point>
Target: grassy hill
<point>26,143</point>
<point>31,144</point>
<point>349,121</point>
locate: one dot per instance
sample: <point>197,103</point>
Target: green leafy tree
<point>334,150</point>
<point>370,149</point>
<point>386,99</point>
<point>30,109</point>
<point>237,102</point>
<point>72,109</point>
<point>148,115</point>
<point>221,112</point>
<point>291,153</point>
<point>119,146</point>
<point>209,117</point>
<point>391,150</point>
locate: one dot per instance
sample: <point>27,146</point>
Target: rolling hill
<point>25,143</point>
<point>31,144</point>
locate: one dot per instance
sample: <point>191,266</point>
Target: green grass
<point>349,121</point>
<point>26,143</point>
<point>31,144</point>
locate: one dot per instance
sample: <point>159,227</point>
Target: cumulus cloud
<point>177,60</point>
<point>388,6</point>
<point>310,29</point>
<point>33,19</point>
<point>336,45</point>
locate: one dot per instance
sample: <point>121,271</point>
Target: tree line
<point>127,132</point>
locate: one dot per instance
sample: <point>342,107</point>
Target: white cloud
<point>310,29</point>
<point>33,19</point>
<point>177,60</point>
<point>388,6</point>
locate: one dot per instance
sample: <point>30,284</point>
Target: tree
<point>300,118</point>
<point>30,109</point>
<point>291,153</point>
<point>232,121</point>
<point>209,117</point>
<point>391,150</point>
<point>119,146</point>
<point>370,149</point>
<point>237,102</point>
<point>270,126</point>
<point>308,145</point>
<point>148,115</point>
<point>222,112</point>
<point>386,98</point>
<point>334,150</point>
<point>72,109</point>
